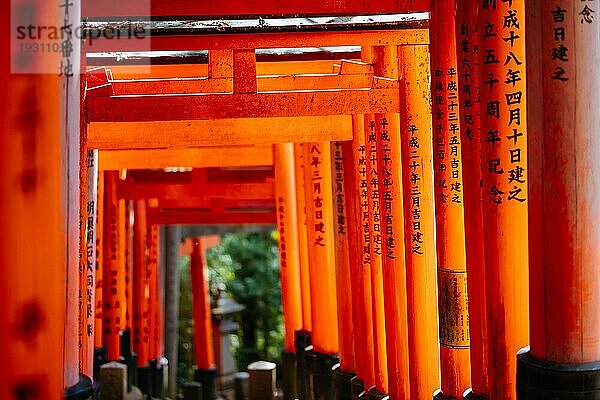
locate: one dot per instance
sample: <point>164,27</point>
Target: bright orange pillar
<point>289,255</point>
<point>88,264</point>
<point>98,249</point>
<point>452,271</point>
<point>467,43</point>
<point>140,298</point>
<point>419,214</point>
<point>155,315</point>
<point>563,183</point>
<point>302,237</point>
<point>387,128</point>
<point>129,243</point>
<point>319,210</point>
<point>203,339</point>
<point>342,261</point>
<point>113,268</point>
<point>32,223</point>
<point>374,219</point>
<point>359,246</point>
<point>504,153</point>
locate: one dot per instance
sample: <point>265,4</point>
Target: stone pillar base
<point>374,394</point>
<point>83,390</point>
<point>357,388</point>
<point>438,395</point>
<point>208,379</point>
<point>320,367</point>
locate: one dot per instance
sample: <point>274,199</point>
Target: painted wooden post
<point>140,298</point>
<point>289,258</point>
<point>452,272</point>
<point>387,128</point>
<point>359,245</point>
<point>417,166</point>
<point>467,44</point>
<point>504,154</point>
<point>99,263</point>
<point>564,359</point>
<point>156,315</point>
<point>113,268</point>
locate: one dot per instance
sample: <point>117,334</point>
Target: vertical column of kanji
<point>345,372</point>
<point>32,217</point>
<point>504,152</point>
<point>452,271</point>
<point>359,242</point>
<point>87,283</point>
<point>303,336</point>
<point>417,167</point>
<point>113,268</point>
<point>467,43</point>
<point>98,282</point>
<point>374,219</point>
<point>319,209</point>
<point>206,372</point>
<point>392,230</point>
<point>564,360</point>
<point>289,259</point>
<point>139,293</point>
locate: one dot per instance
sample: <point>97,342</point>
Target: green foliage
<point>248,265</point>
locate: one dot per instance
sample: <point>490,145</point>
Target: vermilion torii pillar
<point>392,234</point>
<point>140,311</point>
<point>113,268</point>
<point>343,374</point>
<point>452,272</point>
<point>206,372</point>
<point>98,307</point>
<point>359,241</point>
<point>156,316</point>
<point>467,43</point>
<point>419,218</point>
<point>319,210</point>
<point>504,153</point>
<point>564,358</point>
<point>289,259</point>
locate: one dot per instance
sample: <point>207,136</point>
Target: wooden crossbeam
<point>200,157</point>
<point>184,42</point>
<point>244,105</point>
<point>207,217</point>
<point>234,132</point>
<point>91,8</point>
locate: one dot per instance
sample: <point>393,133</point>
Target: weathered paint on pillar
<point>302,237</point>
<point>451,257</point>
<point>320,233</point>
<point>33,204</point>
<point>467,44</point>
<point>376,249</point>
<point>571,94</point>
<point>289,255</point>
<point>419,212</point>
<point>203,337</point>
<point>129,243</point>
<point>392,230</point>
<point>342,261</point>
<point>359,245</point>
<point>140,298</point>
<point>113,268</point>
<point>98,269</point>
<point>88,264</point>
<point>504,153</point>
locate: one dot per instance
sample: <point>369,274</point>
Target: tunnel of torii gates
<point>435,186</point>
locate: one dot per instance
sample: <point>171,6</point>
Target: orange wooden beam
<point>504,154</point>
<point>451,253</point>
<point>208,8</point>
<point>200,157</point>
<point>419,211</point>
<point>468,51</point>
<point>287,226</point>
<point>207,217</point>
<point>222,132</point>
